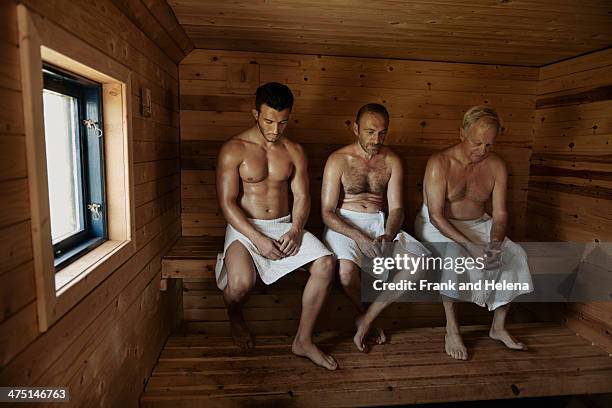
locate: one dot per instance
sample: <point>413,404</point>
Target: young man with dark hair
<point>256,170</point>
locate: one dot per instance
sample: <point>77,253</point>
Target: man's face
<point>371,132</point>
<point>477,141</point>
<point>271,123</point>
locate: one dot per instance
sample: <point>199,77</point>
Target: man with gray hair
<point>458,182</point>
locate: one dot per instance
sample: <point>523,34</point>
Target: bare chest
<point>261,165</point>
<point>360,176</point>
<point>471,184</point>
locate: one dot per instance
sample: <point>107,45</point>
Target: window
<point>77,119</point>
<point>75,163</point>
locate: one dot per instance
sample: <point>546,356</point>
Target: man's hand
<point>490,254</point>
<point>290,242</point>
<point>369,247</point>
<point>269,248</point>
<point>385,242</point>
<point>493,253</point>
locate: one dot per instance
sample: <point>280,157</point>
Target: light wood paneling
<point>105,347</point>
<point>570,185</point>
<point>426,101</point>
<point>525,32</point>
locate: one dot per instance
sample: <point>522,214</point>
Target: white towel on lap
<point>514,267</point>
<point>270,270</point>
<point>373,225</point>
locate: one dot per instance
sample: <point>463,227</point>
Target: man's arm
<point>434,184</point>
<point>500,213</point>
<point>228,186</point>
<point>291,241</point>
<point>394,199</point>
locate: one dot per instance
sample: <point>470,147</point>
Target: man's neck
<point>259,138</point>
<point>461,157</point>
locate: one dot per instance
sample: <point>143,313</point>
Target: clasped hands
<point>287,245</point>
<point>373,248</point>
<point>491,253</point>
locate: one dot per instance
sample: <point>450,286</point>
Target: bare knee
<point>323,268</point>
<point>349,274</point>
<point>239,287</point>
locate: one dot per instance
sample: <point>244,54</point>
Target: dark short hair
<point>275,95</point>
<point>372,108</point>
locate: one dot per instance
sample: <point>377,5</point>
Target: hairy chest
<point>360,176</point>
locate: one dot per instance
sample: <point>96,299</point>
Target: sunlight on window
<point>63,169</point>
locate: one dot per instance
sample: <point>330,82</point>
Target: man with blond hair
<point>458,182</point>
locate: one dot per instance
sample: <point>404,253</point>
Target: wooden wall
<point>570,183</point>
<point>105,347</point>
<point>426,101</point>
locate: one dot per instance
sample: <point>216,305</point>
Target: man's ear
<point>461,134</point>
<point>356,128</point>
<point>255,114</point>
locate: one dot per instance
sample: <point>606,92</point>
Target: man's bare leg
<point>453,342</point>
<point>365,320</point>
<point>498,329</point>
<point>241,279</point>
<point>316,291</point>
<point>351,284</point>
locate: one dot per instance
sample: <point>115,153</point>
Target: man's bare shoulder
<point>496,163</point>
<point>390,155</point>
<point>339,156</point>
<point>235,148</point>
<point>440,161</point>
<point>294,149</point>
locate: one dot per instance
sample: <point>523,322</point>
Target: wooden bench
<point>199,365</point>
<point>191,257</point>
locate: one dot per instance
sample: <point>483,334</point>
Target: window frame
<point>91,162</point>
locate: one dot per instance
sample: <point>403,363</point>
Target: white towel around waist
<point>373,225</point>
<point>514,267</point>
<point>270,270</point>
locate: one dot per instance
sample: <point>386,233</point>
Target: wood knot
<point>515,390</point>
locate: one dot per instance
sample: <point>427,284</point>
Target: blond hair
<point>487,114</point>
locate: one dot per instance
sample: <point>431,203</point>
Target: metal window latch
<point>94,208</point>
<point>92,124</point>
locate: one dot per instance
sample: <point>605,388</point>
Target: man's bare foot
<point>312,352</point>
<point>378,335</point>
<point>240,333</point>
<point>505,337</point>
<point>453,344</point>
<point>365,330</point>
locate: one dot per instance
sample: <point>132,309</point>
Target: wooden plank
<point>602,93</point>
<point>165,16</point>
<point>17,332</point>
<point>597,78</point>
<point>129,44</point>
<point>12,157</point>
<point>14,202</point>
<point>142,17</point>
<point>11,112</point>
<point>17,289</point>
<point>584,63</point>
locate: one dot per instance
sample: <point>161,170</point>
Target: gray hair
<point>487,114</point>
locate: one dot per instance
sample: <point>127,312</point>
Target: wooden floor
<point>207,370</point>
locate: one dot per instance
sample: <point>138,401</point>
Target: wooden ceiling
<point>510,32</point>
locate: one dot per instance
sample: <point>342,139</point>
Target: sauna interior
<point>139,321</point>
